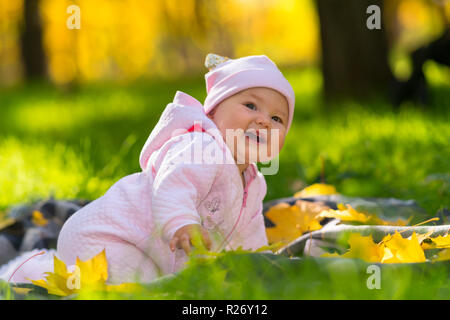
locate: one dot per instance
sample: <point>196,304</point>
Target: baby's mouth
<point>256,137</point>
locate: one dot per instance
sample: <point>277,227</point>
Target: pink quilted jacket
<point>135,219</point>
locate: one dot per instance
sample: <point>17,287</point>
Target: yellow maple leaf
<point>392,249</point>
<point>291,221</point>
<point>440,242</point>
<point>361,247</point>
<point>88,275</point>
<point>402,250</point>
<point>55,282</point>
<point>38,218</point>
<point>94,271</point>
<point>345,214</point>
<point>316,190</point>
<point>443,255</point>
<point>349,214</point>
<point>423,236</point>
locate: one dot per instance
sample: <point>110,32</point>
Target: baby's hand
<point>182,239</point>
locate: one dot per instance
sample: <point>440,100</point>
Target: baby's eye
<point>250,106</point>
<point>277,119</point>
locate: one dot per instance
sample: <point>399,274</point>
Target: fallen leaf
<point>439,242</point>
<point>291,222</point>
<point>316,190</point>
<point>21,291</point>
<point>392,249</point>
<point>6,222</point>
<point>349,214</point>
<point>93,271</point>
<point>345,214</point>
<point>402,250</point>
<point>361,247</point>
<point>38,219</point>
<point>423,236</point>
<point>88,275</point>
<point>364,248</point>
<point>443,255</point>
<point>54,283</point>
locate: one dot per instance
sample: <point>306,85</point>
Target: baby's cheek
<point>281,139</point>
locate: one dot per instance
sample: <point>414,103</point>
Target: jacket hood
<point>180,114</point>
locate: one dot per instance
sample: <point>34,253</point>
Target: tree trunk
<point>354,58</point>
<point>33,54</point>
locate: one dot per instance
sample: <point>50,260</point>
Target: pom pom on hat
<point>227,77</point>
<point>213,60</point>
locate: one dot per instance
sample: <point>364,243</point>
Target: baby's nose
<point>264,120</point>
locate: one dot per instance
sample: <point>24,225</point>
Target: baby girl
<point>147,220</point>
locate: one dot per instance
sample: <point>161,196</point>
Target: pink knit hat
<point>230,76</point>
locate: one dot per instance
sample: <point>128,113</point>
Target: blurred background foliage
<point>127,39</point>
<point>76,106</point>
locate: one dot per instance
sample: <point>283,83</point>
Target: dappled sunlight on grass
<point>78,143</point>
<point>55,115</point>
<point>436,74</point>
<point>36,170</point>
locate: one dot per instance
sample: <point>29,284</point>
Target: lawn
<point>77,144</point>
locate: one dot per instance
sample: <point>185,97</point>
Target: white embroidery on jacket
<point>213,217</point>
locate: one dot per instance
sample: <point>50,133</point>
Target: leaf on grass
<point>392,249</point>
<point>21,291</point>
<point>443,255</point>
<point>424,236</point>
<point>316,190</point>
<point>88,275</point>
<point>55,284</point>
<point>364,248</point>
<point>361,247</point>
<point>440,242</point>
<point>95,270</point>
<point>38,219</point>
<point>402,250</point>
<point>348,214</point>
<point>291,221</point>
<point>6,222</point>
<point>345,214</point>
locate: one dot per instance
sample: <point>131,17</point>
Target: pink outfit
<point>135,219</point>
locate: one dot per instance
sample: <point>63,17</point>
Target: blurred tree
<point>354,58</point>
<point>416,88</point>
<point>33,55</point>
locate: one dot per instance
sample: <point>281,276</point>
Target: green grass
<point>77,144</point>
<point>265,277</point>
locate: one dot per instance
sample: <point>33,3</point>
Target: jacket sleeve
<point>182,180</point>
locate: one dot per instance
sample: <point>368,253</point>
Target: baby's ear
<point>213,60</point>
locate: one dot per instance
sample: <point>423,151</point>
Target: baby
<point>147,220</point>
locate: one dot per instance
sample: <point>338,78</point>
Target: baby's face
<point>256,120</point>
